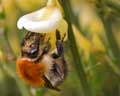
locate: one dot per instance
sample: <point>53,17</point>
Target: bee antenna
<point>58,37</point>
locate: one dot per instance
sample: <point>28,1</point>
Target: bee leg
<point>59,46</point>
<point>48,84</point>
<point>60,54</point>
<point>56,70</point>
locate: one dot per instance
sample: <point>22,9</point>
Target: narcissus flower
<point>46,20</point>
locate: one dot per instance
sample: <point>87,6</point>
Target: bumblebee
<point>40,66</point>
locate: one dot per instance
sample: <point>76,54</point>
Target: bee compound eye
<point>33,53</point>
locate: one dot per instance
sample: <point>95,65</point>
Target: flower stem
<point>110,36</point>
<point>75,54</point>
<point>113,5</point>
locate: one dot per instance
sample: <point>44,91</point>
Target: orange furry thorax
<point>31,72</point>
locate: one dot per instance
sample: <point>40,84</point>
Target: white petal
<point>34,21</point>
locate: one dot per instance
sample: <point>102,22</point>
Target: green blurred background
<point>95,70</point>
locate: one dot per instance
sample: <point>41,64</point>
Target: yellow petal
<point>99,46</point>
<point>63,29</point>
<point>82,42</point>
<point>30,5</point>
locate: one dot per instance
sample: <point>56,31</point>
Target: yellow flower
<point>30,5</point>
<point>83,43</point>
<point>46,20</point>
<point>98,44</point>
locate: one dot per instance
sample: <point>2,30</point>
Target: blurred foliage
<point>92,51</point>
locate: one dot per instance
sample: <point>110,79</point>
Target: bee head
<point>30,45</point>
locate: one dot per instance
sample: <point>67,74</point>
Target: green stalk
<point>75,53</point>
<point>39,92</point>
<point>10,22</point>
<point>25,91</point>
<point>74,19</point>
<point>113,5</point>
<point>115,68</point>
<point>107,23</point>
